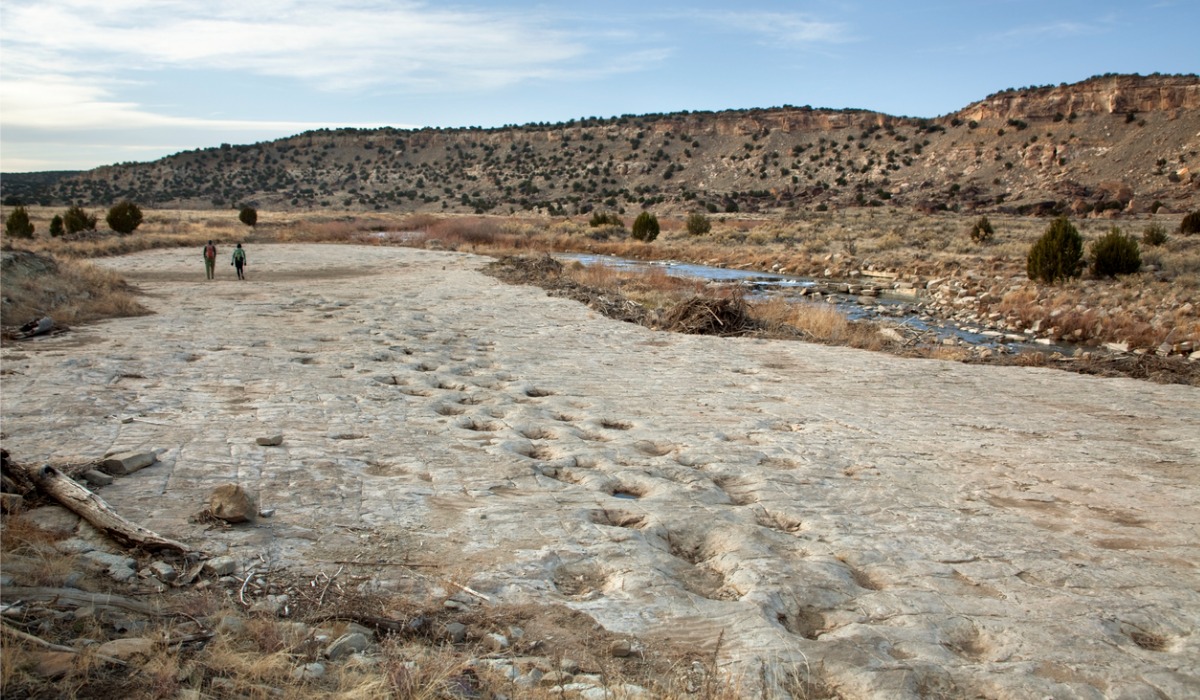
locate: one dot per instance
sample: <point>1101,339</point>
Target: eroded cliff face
<point>1119,94</point>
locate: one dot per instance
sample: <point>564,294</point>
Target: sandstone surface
<point>887,527</point>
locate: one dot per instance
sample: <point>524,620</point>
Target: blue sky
<point>85,83</point>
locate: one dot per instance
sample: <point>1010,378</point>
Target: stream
<point>905,313</point>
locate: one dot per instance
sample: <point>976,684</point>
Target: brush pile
<point>709,316</point>
<point>525,269</point>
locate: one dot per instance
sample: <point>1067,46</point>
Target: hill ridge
<point>1106,145</point>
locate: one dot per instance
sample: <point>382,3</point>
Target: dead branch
<point>79,599</point>
<point>26,637</point>
<point>96,511</point>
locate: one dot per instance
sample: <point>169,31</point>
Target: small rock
<point>11,503</point>
<point>118,567</point>
<point>231,503</point>
<point>620,649</point>
<point>128,648</point>
<point>309,672</point>
<point>266,513</point>
<point>495,641</point>
<point>231,625</point>
<point>345,645</point>
<point>272,604</point>
<point>555,678</point>
<point>220,566</point>
<point>127,462</point>
<point>163,571</point>
<point>95,477</point>
<point>569,666</point>
<point>457,632</point>
<point>272,441</point>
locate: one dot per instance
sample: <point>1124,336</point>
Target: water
<point>901,313</point>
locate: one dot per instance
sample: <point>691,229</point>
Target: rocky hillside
<point>1107,145</point>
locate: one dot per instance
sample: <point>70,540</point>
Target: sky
<point>85,83</point>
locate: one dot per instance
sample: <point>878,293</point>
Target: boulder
<point>272,441</point>
<point>231,503</point>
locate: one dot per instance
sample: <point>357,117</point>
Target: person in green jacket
<point>239,260</point>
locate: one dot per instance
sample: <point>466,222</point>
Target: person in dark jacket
<point>239,260</point>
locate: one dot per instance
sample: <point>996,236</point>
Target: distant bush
<point>645,227</point>
<point>1190,223</point>
<point>248,216</point>
<point>76,220</point>
<point>1114,254</point>
<point>605,218</point>
<point>982,231</point>
<point>698,224</point>
<point>1154,234</point>
<point>18,225</point>
<point>1057,254</point>
<point>124,217</point>
<point>56,226</point>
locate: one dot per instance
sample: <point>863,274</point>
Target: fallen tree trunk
<point>76,598</point>
<point>93,509</point>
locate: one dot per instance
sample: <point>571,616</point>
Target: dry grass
<point>1144,310</point>
<point>819,323</point>
<point>68,290</point>
<point>258,655</point>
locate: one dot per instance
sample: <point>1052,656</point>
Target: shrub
<point>1190,223</point>
<point>1154,234</point>
<point>1057,254</point>
<point>18,225</point>
<point>76,220</point>
<point>56,226</point>
<point>124,217</point>
<point>248,216</point>
<point>698,224</point>
<point>605,218</point>
<point>982,231</point>
<point>1114,254</point>
<point>645,227</point>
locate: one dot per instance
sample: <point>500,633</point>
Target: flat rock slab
<point>126,463</point>
<point>887,527</point>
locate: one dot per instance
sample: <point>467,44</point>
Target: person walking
<point>239,260</point>
<point>210,260</point>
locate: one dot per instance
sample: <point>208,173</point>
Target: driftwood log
<point>87,505</point>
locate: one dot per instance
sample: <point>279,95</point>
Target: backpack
<point>210,252</point>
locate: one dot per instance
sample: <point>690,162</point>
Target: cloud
<point>1035,32</point>
<point>784,28</point>
<point>110,65</point>
<point>337,45</point>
